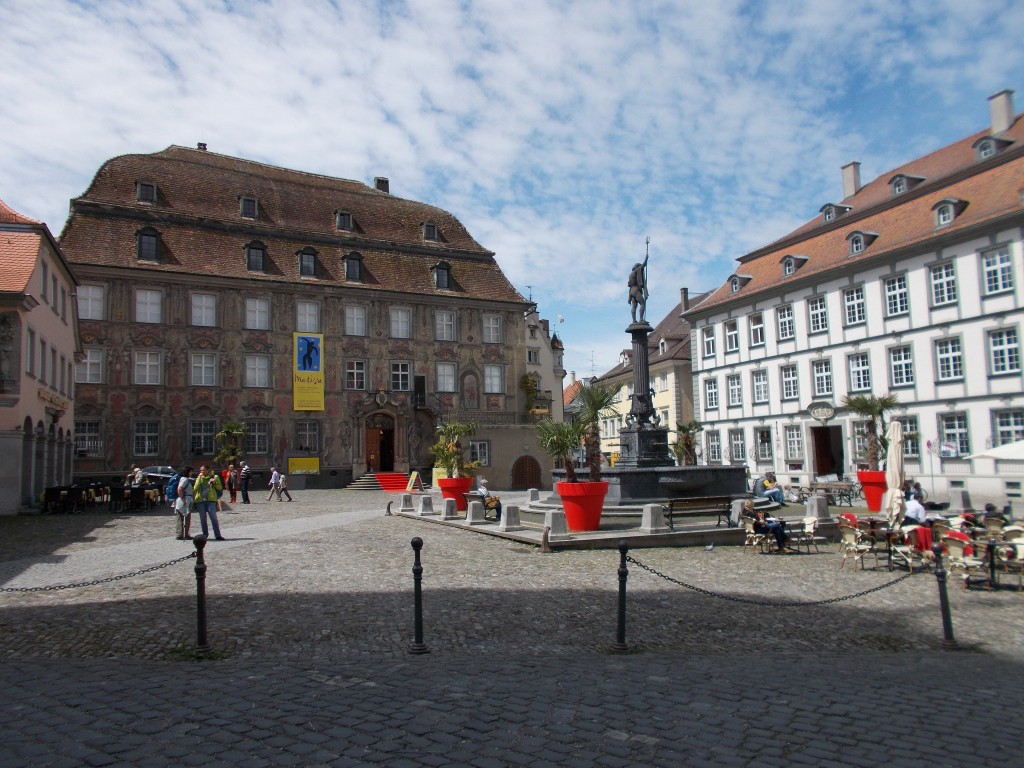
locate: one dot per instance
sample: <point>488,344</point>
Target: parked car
<point>158,473</point>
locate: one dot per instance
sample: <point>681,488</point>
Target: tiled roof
<point>197,216</point>
<point>570,392</point>
<point>19,252</point>
<point>10,216</point>
<point>990,189</point>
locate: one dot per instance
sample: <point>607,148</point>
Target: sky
<point>562,133</point>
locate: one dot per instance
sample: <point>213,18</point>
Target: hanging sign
<point>307,372</point>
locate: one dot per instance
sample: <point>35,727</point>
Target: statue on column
<point>638,288</point>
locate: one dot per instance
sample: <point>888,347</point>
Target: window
<point>943,278</point>
<point>90,302</point>
<point>145,192</point>
<point>400,377</point>
<point>956,441</point>
<point>986,149</point>
<point>446,377</point>
<point>307,317</point>
<point>494,379</point>
<point>788,266</point>
<point>734,285</point>
<point>853,301</point>
<point>949,359</point>
<point>1009,426</point>
<point>307,262</point>
<point>492,329</point>
<point>442,275</point>
<point>860,372</point>
<point>732,336</point>
<point>257,371</point>
<point>790,383</point>
<point>355,374</point>
<point>708,339</point>
<point>53,367</point>
<point>763,443</point>
<point>794,442</point>
<point>257,438</point>
<point>756,324</point>
<point>401,323</point>
<point>30,357</point>
<point>201,437</point>
<point>42,361</point>
<point>911,443</point>
<point>784,320</point>
<point>899,185</point>
<point>896,298</point>
<point>63,304</point>
<point>817,314</point>
<point>147,306</point>
<point>1004,351</point>
<point>257,314</point>
<point>53,293</point>
<point>760,383</point>
<point>533,356</point>
<point>998,270</point>
<point>307,435</point>
<point>714,446</point>
<point>355,321</point>
<point>944,215</point>
<point>204,369</point>
<point>204,309</point>
<point>444,326</point>
<point>354,267</point>
<point>256,257</point>
<point>90,370</point>
<point>480,450</point>
<point>343,221</point>
<point>710,393</point>
<point>737,446</point>
<point>248,208</point>
<point>829,213</point>
<point>147,438</point>
<point>45,282</point>
<point>856,244</point>
<point>147,367</point>
<point>88,438</point>
<point>148,245</point>
<point>901,367</point>
<point>822,377</point>
<point>735,389</point>
<point>429,231</point>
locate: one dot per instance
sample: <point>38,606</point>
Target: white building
<point>911,284</point>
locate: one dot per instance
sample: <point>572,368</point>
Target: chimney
<point>381,184</point>
<point>572,378</point>
<point>684,298</point>
<point>1000,107</point>
<point>851,179</point>
<point>201,146</point>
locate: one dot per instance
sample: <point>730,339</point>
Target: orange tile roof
<point>10,216</point>
<point>19,252</point>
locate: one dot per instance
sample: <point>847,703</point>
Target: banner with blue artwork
<point>307,372</point>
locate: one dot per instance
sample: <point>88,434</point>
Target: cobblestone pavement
<point>310,621</point>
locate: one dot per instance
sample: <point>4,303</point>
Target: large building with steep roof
<point>201,273</point>
<point>911,285</point>
<point>38,350</point>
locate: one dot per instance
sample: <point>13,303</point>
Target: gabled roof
<point>570,392</point>
<point>21,239</point>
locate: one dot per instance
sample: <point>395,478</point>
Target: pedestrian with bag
<point>245,475</point>
<point>233,483</point>
<point>274,484</point>
<point>283,487</point>
<point>206,486</point>
<point>183,503</point>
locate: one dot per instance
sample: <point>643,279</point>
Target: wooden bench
<point>474,496</point>
<point>838,493</point>
<point>698,506</point>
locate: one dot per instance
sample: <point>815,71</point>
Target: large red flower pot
<point>454,488</point>
<point>874,486</point>
<point>582,503</point>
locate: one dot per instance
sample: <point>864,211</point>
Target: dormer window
<point>856,244</point>
<point>248,208</point>
<point>256,257</point>
<point>901,183</point>
<point>145,192</point>
<point>735,285</point>
<point>442,275</point>
<point>148,244</point>
<point>859,241</point>
<point>429,231</point>
<point>986,149</point>
<point>662,347</point>
<point>343,220</point>
<point>947,209</point>
<point>307,262</point>
<point>791,263</point>
<point>354,267</point>
<point>831,211</point>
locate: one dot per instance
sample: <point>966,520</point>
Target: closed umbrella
<point>894,505</point>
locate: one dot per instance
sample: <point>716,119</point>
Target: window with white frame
<point>737,446</point>
<point>944,215</point>
<point>307,434</point>
<point>998,270</point>
<point>147,367</point>
<point>901,367</point>
<point>1009,426</point>
<point>401,323</point>
<point>784,322</point>
<point>257,371</point>
<point>1004,351</point>
<point>949,359</point>
<point>708,339</point>
<point>201,434</point>
<point>446,377</point>
<point>148,305</point>
<point>756,324</point>
<point>794,442</point>
<point>860,439</point>
<point>817,314</point>
<point>710,393</point>
<point>822,377</point>
<point>401,376</point>
<point>860,372</point>
<point>257,438</point>
<point>444,326</point>
<point>90,370</point>
<point>307,316</point>
<point>91,302</point>
<point>204,369</point>
<point>943,279</point>
<point>788,266</point>
<point>897,300</point>
<point>204,309</point>
<point>533,356</point>
<point>734,387</point>
<point>955,434</point>
<point>355,374</point>
<point>355,320</point>
<point>480,450</point>
<point>494,379</point>
<point>257,314</point>
<point>790,382</point>
<point>732,336</point>
<point>911,442</point>
<point>89,438</point>
<point>856,244</point>
<point>146,439</point>
<point>986,149</point>
<point>492,329</point>
<point>713,443</point>
<point>759,380</point>
<point>853,303</point>
<point>763,442</point>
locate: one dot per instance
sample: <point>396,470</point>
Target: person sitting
<point>767,487</point>
<point>490,500</point>
<point>916,514</point>
<point>762,524</point>
<point>991,513</point>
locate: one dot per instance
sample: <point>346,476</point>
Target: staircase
<point>391,482</point>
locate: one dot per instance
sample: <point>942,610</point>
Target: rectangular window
<point>90,302</point>
<point>257,438</point>
<point>90,370</point>
<point>756,323</point>
<point>355,374</point>
<point>147,368</point>
<point>255,258</point>
<point>732,336</point>
<point>53,293</point>
<point>897,301</point>
<point>45,282</point>
<point>956,441</point>
<point>708,338</point>
<point>790,382</point>
<point>248,208</point>
<point>853,302</point>
<point>1009,426</point>
<point>53,367</point>
<point>735,389</point>
<point>63,304</point>
<point>307,264</point>
<point>760,382</point>
<point>998,270</point>
<point>911,443</point>
<point>494,379</point>
<point>204,369</point>
<point>492,329</point>
<point>714,447</point>
<point>822,377</point>
<point>30,356</point>
<point>257,314</point>
<point>1004,351</point>
<point>88,438</point>
<point>147,306</point>
<point>201,437</point>
<point>400,377</point>
<point>949,359</point>
<point>817,314</point>
<point>401,323</point>
<point>307,436</point>
<point>533,356</point>
<point>710,393</point>
<point>860,372</point>
<point>784,320</point>
<point>737,446</point>
<point>446,377</point>
<point>204,309</point>
<point>480,450</point>
<point>307,317</point>
<point>901,367</point>
<point>355,321</point>
<point>794,442</point>
<point>146,438</point>
<point>444,326</point>
<point>257,371</point>
<point>943,278</point>
<point>42,361</point>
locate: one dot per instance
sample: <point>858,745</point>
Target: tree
<point>685,447</point>
<point>560,440</point>
<point>873,408</point>
<point>593,399</point>
<point>448,451</point>
<point>231,438</point>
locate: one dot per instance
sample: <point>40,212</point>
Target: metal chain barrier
<point>770,603</point>
<point>107,580</point>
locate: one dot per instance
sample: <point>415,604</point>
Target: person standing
<point>245,475</point>
<point>233,483</point>
<point>283,487</point>
<point>206,486</point>
<point>275,484</point>
<point>183,505</point>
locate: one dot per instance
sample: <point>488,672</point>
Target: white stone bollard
<point>509,518</point>
<point>534,495</point>
<point>736,513</point>
<point>817,506</point>
<point>475,513</point>
<point>406,503</point>
<point>450,512</point>
<point>959,501</point>
<point>554,521</point>
<point>426,506</point>
<point>653,519</point>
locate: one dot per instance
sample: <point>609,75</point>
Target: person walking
<point>245,475</point>
<point>283,487</point>
<point>233,483</point>
<point>206,486</point>
<point>183,505</point>
<point>275,484</point>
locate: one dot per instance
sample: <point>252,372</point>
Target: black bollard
<point>992,544</point>
<point>620,634</point>
<point>200,542</point>
<point>948,641</point>
<point>417,645</point>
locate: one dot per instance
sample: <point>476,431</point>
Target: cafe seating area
<point>79,497</point>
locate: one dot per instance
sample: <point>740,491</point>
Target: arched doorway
<point>380,443</point>
<point>526,474</point>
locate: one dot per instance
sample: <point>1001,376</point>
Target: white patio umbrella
<point>895,505</point>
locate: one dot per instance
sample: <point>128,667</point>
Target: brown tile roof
<point>19,252</point>
<point>990,189</point>
<point>570,392</point>
<point>10,216</point>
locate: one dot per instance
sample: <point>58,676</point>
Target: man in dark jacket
<point>244,476</point>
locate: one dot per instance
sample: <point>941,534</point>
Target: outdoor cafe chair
<point>1011,556</point>
<point>753,539</point>
<point>852,545</point>
<point>906,552</point>
<point>994,526</point>
<point>962,563</point>
<point>76,499</point>
<point>805,535</point>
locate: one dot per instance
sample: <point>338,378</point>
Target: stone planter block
<point>475,513</point>
<point>450,510</point>
<point>817,506</point>
<point>509,518</point>
<point>406,503</point>
<point>653,519</point>
<point>426,506</point>
<point>554,521</point>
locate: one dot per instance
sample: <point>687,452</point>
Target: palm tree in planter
<point>685,447</point>
<point>449,454</point>
<point>873,409</point>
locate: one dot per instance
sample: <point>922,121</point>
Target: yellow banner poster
<point>304,465</point>
<point>307,372</point>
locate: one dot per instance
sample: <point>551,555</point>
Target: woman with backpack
<point>205,489</point>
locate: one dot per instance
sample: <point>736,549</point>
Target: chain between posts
<point>109,579</point>
<point>769,603</point>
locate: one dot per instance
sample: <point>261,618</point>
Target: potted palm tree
<point>873,409</point>
<point>449,456</point>
<point>685,447</point>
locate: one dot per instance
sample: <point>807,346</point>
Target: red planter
<point>582,503</point>
<point>874,486</point>
<point>453,488</point>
